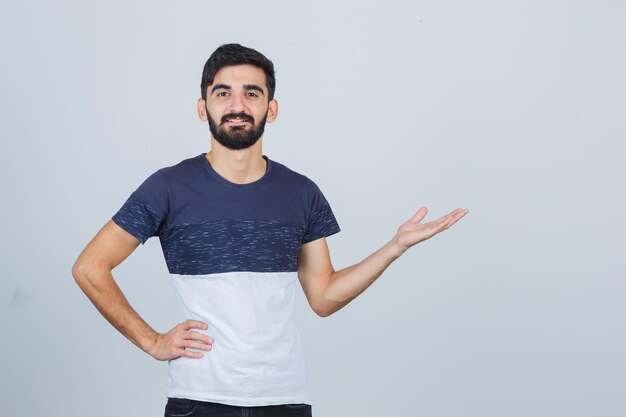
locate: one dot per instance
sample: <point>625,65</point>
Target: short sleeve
<point>143,213</point>
<point>321,219</point>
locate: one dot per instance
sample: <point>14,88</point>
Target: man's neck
<point>241,166</point>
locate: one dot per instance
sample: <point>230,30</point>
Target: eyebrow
<point>245,86</point>
<point>219,86</point>
<point>253,87</point>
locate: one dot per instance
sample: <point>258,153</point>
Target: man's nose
<point>237,104</point>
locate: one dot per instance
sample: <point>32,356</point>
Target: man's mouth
<point>237,120</point>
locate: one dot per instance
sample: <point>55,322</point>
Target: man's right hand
<point>174,344</point>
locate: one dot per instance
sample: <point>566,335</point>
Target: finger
<point>191,354</point>
<point>460,213</point>
<point>199,336</point>
<point>450,216</point>
<point>455,219</point>
<point>197,345</point>
<point>194,324</point>
<point>441,224</point>
<point>419,215</point>
<point>447,216</point>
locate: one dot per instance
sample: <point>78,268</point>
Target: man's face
<point>237,106</point>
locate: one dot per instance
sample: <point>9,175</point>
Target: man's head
<point>234,54</point>
<point>238,87</point>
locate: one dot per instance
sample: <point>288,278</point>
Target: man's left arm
<point>327,290</point>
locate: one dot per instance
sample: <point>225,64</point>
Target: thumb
<point>421,213</point>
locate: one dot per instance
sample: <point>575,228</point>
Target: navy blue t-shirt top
<point>208,224</point>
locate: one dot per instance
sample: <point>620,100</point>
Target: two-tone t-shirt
<point>231,250</point>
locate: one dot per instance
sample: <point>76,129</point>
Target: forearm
<point>105,294</point>
<point>346,284</point>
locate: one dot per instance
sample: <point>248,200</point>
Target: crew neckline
<point>224,181</point>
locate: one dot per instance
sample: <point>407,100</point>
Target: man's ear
<point>272,111</point>
<point>202,110</point>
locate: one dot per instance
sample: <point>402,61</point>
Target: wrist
<point>149,343</point>
<point>394,248</point>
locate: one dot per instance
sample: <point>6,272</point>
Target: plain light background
<point>513,110</point>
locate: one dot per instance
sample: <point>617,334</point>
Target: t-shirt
<point>231,251</point>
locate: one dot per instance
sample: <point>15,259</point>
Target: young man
<point>238,231</point>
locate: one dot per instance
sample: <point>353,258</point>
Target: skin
<point>326,290</point>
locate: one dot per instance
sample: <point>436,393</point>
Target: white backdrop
<point>513,110</point>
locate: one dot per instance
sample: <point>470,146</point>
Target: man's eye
<point>222,93</point>
<point>252,94</point>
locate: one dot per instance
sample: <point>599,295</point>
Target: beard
<point>237,137</point>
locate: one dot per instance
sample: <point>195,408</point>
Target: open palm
<point>413,231</point>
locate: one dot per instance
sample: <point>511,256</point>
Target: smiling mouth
<point>240,119</point>
<point>236,121</point>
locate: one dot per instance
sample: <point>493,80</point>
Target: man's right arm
<point>92,272</point>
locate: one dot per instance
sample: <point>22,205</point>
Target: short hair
<point>235,54</point>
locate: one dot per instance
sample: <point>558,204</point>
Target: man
<point>238,230</point>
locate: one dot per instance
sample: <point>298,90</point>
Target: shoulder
<point>293,177</point>
<point>159,182</point>
<point>305,188</point>
<point>180,169</point>
<point>174,176</point>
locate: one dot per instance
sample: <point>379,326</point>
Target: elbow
<point>322,311</point>
<point>84,273</point>
<point>79,272</point>
<point>325,306</point>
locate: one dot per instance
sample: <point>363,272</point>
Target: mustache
<point>242,116</point>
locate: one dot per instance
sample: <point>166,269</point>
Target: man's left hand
<point>413,231</point>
